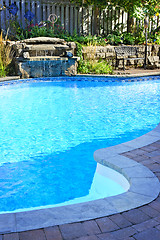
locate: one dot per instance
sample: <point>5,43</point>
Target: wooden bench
<point>126,53</point>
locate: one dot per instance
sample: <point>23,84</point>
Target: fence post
<point>2,19</point>
<point>125,17</point>
<point>89,19</point>
<point>48,10</point>
<point>121,20</point>
<point>53,9</point>
<point>80,21</point>
<point>75,19</point>
<point>38,12</point>
<point>43,12</point>
<point>58,11</point>
<point>23,12</point>
<point>71,19</point>
<point>62,15</point>
<point>67,18</point>
<point>33,11</point>
<point>7,14</point>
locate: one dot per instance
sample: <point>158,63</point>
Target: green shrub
<point>95,66</point>
<point>155,36</point>
<point>128,38</point>
<point>15,30</point>
<point>114,39</point>
<point>139,36</point>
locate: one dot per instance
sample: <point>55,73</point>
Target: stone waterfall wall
<point>45,57</point>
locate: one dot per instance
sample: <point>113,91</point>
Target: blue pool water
<point>50,129</point>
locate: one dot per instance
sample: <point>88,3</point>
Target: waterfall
<point>48,57</point>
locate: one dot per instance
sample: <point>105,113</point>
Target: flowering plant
<point>45,29</point>
<point>40,30</point>
<point>29,28</point>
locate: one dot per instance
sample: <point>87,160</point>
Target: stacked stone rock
<point>108,53</point>
<point>44,57</point>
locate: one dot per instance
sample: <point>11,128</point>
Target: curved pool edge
<point>144,188</point>
<point>128,75</point>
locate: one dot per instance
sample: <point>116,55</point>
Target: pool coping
<point>129,75</point>
<point>144,188</point>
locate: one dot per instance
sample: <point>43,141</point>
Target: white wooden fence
<point>72,17</point>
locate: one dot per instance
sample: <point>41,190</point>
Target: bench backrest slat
<point>125,51</point>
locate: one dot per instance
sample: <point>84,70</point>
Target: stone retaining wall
<point>108,52</point>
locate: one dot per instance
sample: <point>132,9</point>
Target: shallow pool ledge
<point>144,185</point>
<point>144,188</point>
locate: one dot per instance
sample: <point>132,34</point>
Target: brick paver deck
<point>142,223</point>
<point>132,71</point>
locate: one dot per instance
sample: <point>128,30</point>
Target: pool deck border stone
<point>145,187</point>
<point>120,74</point>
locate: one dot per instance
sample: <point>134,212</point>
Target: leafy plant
<point>89,64</point>
<point>95,66</point>
<point>157,37</point>
<point>46,29</point>
<point>15,30</point>
<point>114,39</point>
<point>128,38</point>
<point>79,50</point>
<point>96,40</point>
<point>85,40</point>
<point>40,30</point>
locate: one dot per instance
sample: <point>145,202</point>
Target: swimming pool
<point>57,121</point>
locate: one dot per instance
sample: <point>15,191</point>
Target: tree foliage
<point>151,6</point>
<point>95,3</point>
